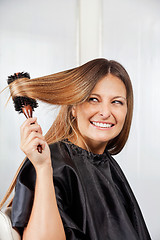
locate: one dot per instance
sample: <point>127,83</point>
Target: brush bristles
<point>20,102</point>
<point>17,75</point>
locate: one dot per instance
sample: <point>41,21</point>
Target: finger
<point>28,121</point>
<point>25,141</point>
<point>32,128</point>
<point>36,127</point>
<point>32,136</point>
<point>29,148</point>
<point>29,126</point>
<point>38,142</point>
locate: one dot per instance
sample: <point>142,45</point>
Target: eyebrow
<point>120,97</point>
<point>113,97</point>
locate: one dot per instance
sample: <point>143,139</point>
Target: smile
<point>102,125</point>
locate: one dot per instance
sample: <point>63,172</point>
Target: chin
<point>100,141</point>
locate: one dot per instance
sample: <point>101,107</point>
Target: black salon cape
<point>94,199</point>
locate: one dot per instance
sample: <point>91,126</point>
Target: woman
<point>74,189</point>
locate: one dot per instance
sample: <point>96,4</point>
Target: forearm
<point>45,221</point>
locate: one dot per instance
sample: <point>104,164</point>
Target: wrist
<point>45,168</point>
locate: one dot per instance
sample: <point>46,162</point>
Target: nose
<point>105,111</point>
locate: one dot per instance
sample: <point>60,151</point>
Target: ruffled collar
<point>93,157</point>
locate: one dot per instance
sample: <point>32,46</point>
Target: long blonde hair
<point>72,87</point>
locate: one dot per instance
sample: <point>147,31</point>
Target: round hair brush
<point>24,104</point>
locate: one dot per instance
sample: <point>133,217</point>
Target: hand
<point>31,137</point>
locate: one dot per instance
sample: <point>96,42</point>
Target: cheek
<point>121,115</point>
<point>84,111</point>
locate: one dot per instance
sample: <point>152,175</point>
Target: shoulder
<point>27,175</point>
<point>65,172</point>
<point>59,150</point>
<point>62,162</point>
<point>61,155</point>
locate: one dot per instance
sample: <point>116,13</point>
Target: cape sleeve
<point>24,195</point>
<point>69,195</point>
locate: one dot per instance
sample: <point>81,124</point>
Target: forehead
<point>110,85</point>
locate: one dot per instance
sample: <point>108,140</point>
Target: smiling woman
<point>72,87</point>
<point>74,189</point>
<point>101,118</point>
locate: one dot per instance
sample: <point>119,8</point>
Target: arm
<point>45,221</point>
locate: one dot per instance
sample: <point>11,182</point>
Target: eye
<point>118,102</point>
<point>93,99</point>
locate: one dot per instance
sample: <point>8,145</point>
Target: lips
<point>102,125</point>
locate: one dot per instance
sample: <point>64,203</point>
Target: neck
<point>97,148</point>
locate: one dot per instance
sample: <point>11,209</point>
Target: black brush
<point>24,104</point>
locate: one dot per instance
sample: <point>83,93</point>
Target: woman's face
<point>102,116</point>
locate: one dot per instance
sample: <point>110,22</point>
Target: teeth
<point>103,125</point>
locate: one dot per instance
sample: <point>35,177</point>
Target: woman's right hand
<point>44,203</point>
<point>31,137</point>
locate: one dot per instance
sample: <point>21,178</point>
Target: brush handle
<point>24,104</point>
<point>27,110</point>
<point>39,148</point>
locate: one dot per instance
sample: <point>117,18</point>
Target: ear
<point>74,111</point>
